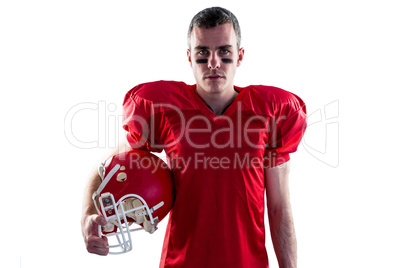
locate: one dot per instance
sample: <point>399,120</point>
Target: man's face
<point>214,57</point>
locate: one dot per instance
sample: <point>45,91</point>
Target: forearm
<point>90,221</point>
<point>283,236</point>
<point>280,215</point>
<point>88,207</point>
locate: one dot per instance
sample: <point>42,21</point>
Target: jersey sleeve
<point>137,121</point>
<point>286,131</point>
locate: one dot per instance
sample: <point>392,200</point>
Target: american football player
<point>227,148</point>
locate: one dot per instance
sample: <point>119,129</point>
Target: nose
<point>213,62</point>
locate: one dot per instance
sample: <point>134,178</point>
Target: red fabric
<point>218,165</point>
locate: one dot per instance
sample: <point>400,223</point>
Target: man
<point>225,145</point>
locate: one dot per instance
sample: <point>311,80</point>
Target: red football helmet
<point>137,187</point>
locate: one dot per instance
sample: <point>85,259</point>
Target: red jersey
<point>218,164</point>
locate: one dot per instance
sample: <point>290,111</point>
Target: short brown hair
<point>212,17</point>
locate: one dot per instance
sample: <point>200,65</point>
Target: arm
<point>280,215</point>
<point>90,218</point>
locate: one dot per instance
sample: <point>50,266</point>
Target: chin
<point>214,87</point>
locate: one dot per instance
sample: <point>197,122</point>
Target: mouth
<point>214,77</point>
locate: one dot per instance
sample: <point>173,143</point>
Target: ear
<point>189,57</point>
<point>240,58</point>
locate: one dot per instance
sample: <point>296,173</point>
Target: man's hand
<point>93,242</point>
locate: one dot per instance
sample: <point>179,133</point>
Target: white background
<point>345,179</point>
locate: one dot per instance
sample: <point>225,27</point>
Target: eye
<point>225,51</point>
<point>203,52</point>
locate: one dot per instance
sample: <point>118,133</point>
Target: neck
<point>218,101</point>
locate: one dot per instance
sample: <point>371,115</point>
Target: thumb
<point>100,220</point>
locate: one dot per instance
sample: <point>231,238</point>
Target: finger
<point>98,251</point>
<point>97,245</point>
<point>100,220</point>
<point>93,222</point>
<point>96,241</point>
